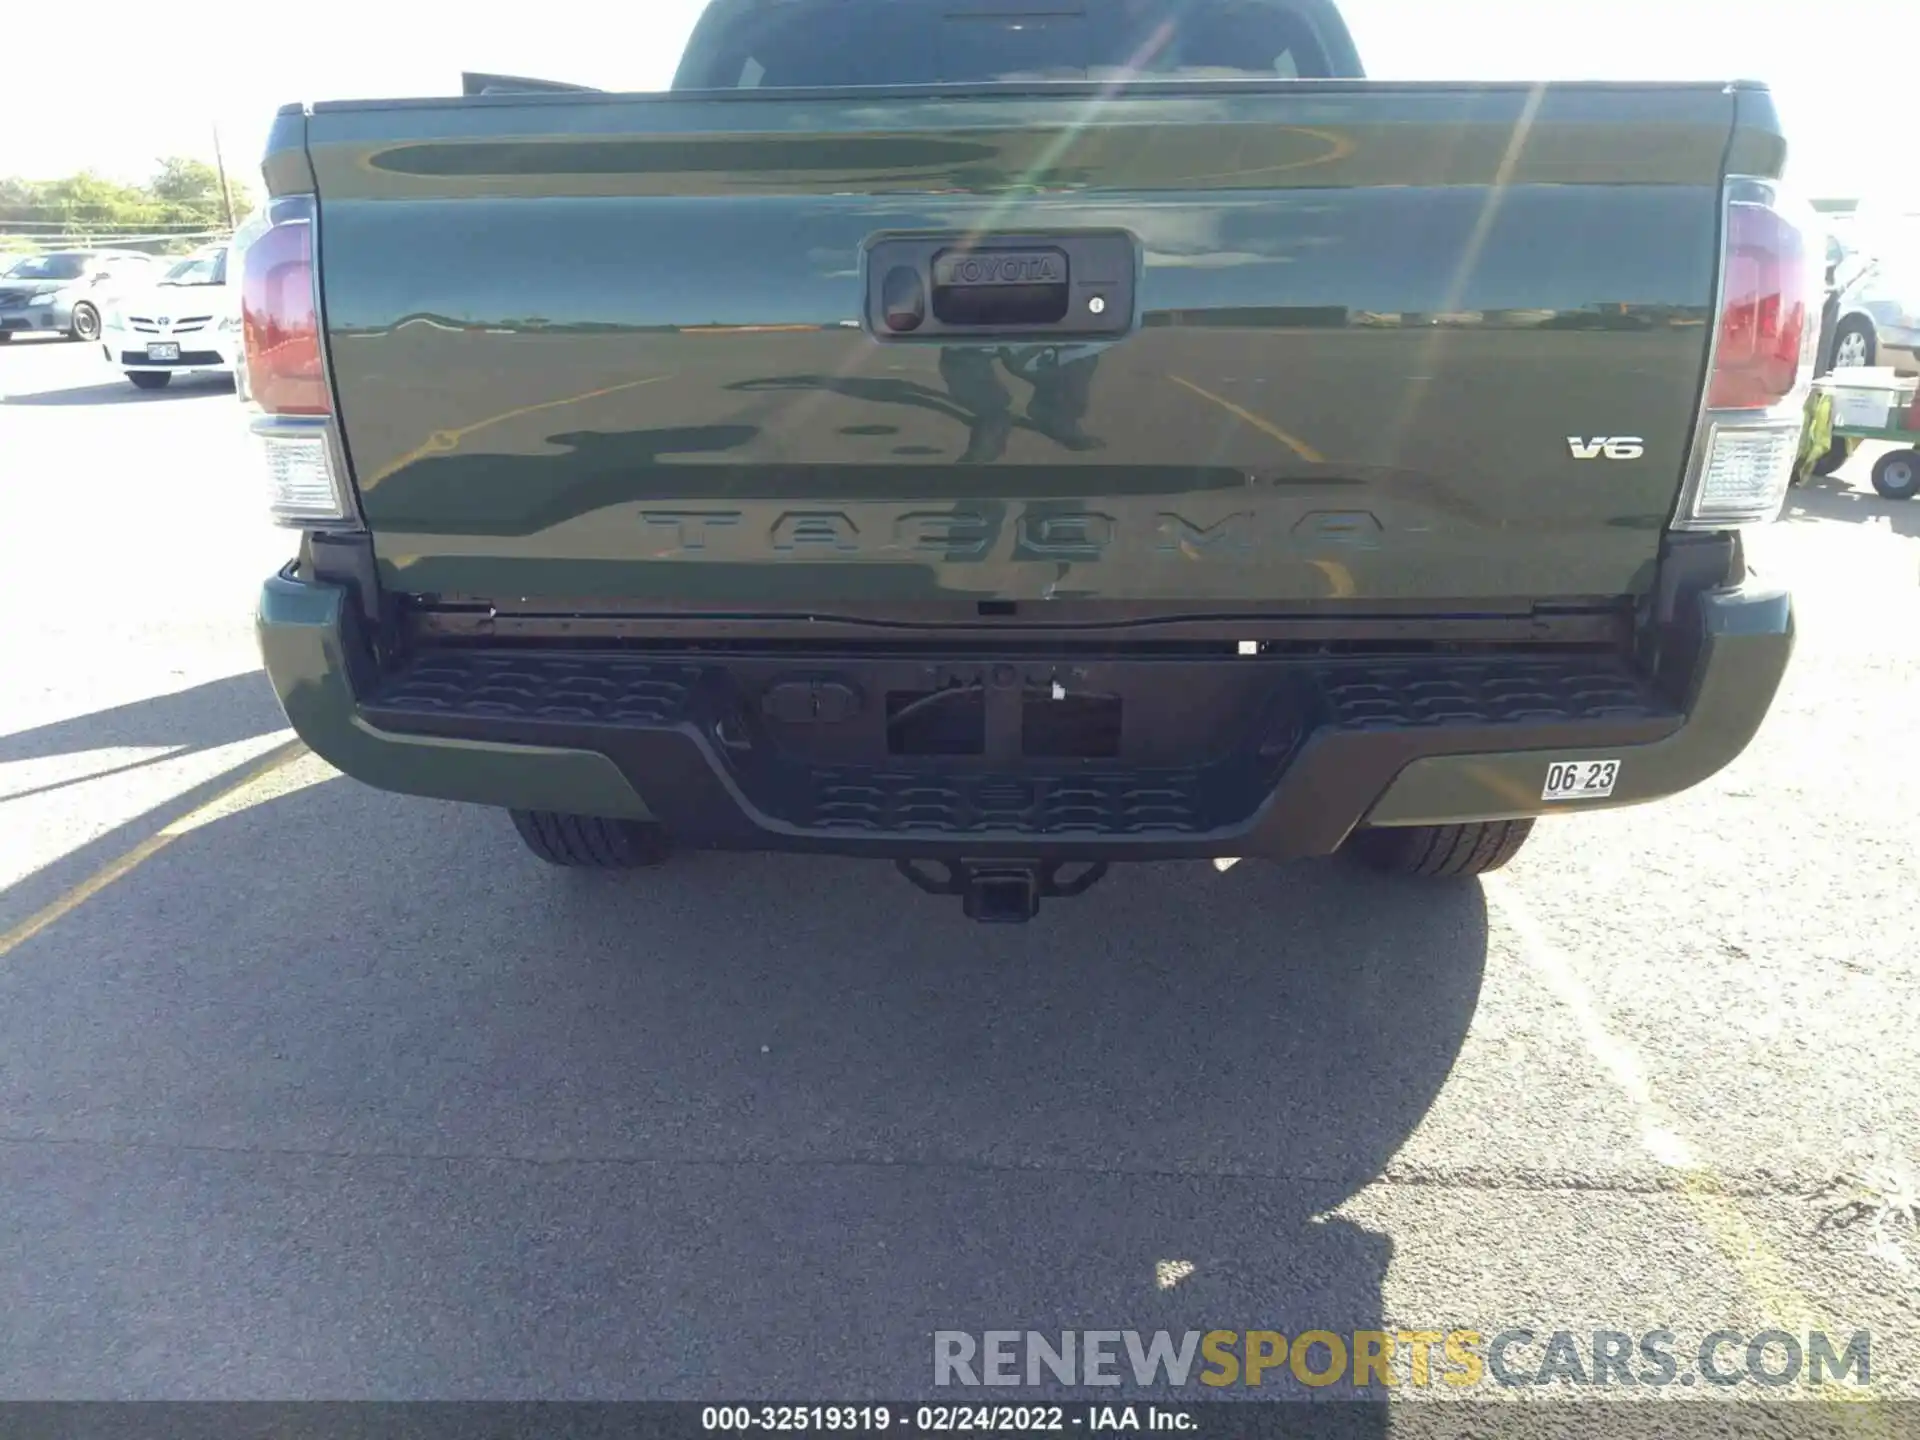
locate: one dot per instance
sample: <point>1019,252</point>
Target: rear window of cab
<point>836,44</point>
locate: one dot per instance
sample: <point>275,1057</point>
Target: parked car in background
<point>1880,303</point>
<point>188,321</point>
<point>67,290</point>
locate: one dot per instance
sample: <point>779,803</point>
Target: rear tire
<point>1835,455</point>
<point>590,842</point>
<point>6,337</point>
<point>1440,851</point>
<point>1854,343</point>
<point>150,379</point>
<point>1896,474</point>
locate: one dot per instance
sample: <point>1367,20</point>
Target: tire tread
<point>591,842</point>
<point>1443,851</point>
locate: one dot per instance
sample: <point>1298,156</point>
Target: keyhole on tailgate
<point>903,299</point>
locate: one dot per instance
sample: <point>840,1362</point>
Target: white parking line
<point>1761,1270</point>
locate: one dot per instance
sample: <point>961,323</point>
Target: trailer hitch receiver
<point>1002,892</point>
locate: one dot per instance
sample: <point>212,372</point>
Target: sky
<point>161,79</point>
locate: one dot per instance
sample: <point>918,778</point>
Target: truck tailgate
<point>614,350</point>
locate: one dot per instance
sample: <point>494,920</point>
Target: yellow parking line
<point>1266,427</point>
<point>442,441</point>
<point>1339,578</point>
<point>114,869</point>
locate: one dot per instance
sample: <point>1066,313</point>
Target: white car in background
<point>189,321</point>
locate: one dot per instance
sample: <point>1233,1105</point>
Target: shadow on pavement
<point>1831,498</point>
<point>218,712</point>
<point>124,392</point>
<point>187,722</point>
<point>354,1098</point>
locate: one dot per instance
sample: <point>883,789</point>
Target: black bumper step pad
<point>1318,744</point>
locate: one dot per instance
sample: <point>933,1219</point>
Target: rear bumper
<point>1328,744</point>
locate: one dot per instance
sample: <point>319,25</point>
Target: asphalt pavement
<point>322,1092</point>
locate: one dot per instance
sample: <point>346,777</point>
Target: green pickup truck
<point>1006,438</point>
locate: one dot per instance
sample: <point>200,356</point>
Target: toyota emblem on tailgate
<point>963,268</point>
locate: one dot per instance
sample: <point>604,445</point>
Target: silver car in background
<point>1879,320</point>
<point>67,291</point>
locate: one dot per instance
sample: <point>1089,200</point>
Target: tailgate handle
<point>1000,288</point>
<point>1050,286</point>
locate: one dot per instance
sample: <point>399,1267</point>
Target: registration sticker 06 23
<point>1581,780</point>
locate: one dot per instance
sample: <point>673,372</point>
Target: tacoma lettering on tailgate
<point>1033,532</point>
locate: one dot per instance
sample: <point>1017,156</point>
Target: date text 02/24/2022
<point>945,1419</point>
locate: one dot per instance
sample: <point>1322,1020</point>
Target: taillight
<point>282,316</point>
<point>1765,332</point>
<point>286,370</point>
<point>1767,305</point>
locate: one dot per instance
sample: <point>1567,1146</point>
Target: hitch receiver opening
<point>1002,892</point>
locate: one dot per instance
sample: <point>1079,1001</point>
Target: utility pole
<point>226,191</point>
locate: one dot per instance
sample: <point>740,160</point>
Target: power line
<point>68,214</point>
<point>62,213</point>
<point>94,239</point>
<point>71,221</point>
<point>208,206</point>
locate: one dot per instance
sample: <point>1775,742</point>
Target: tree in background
<point>86,200</point>
<point>182,197</point>
<point>190,190</point>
